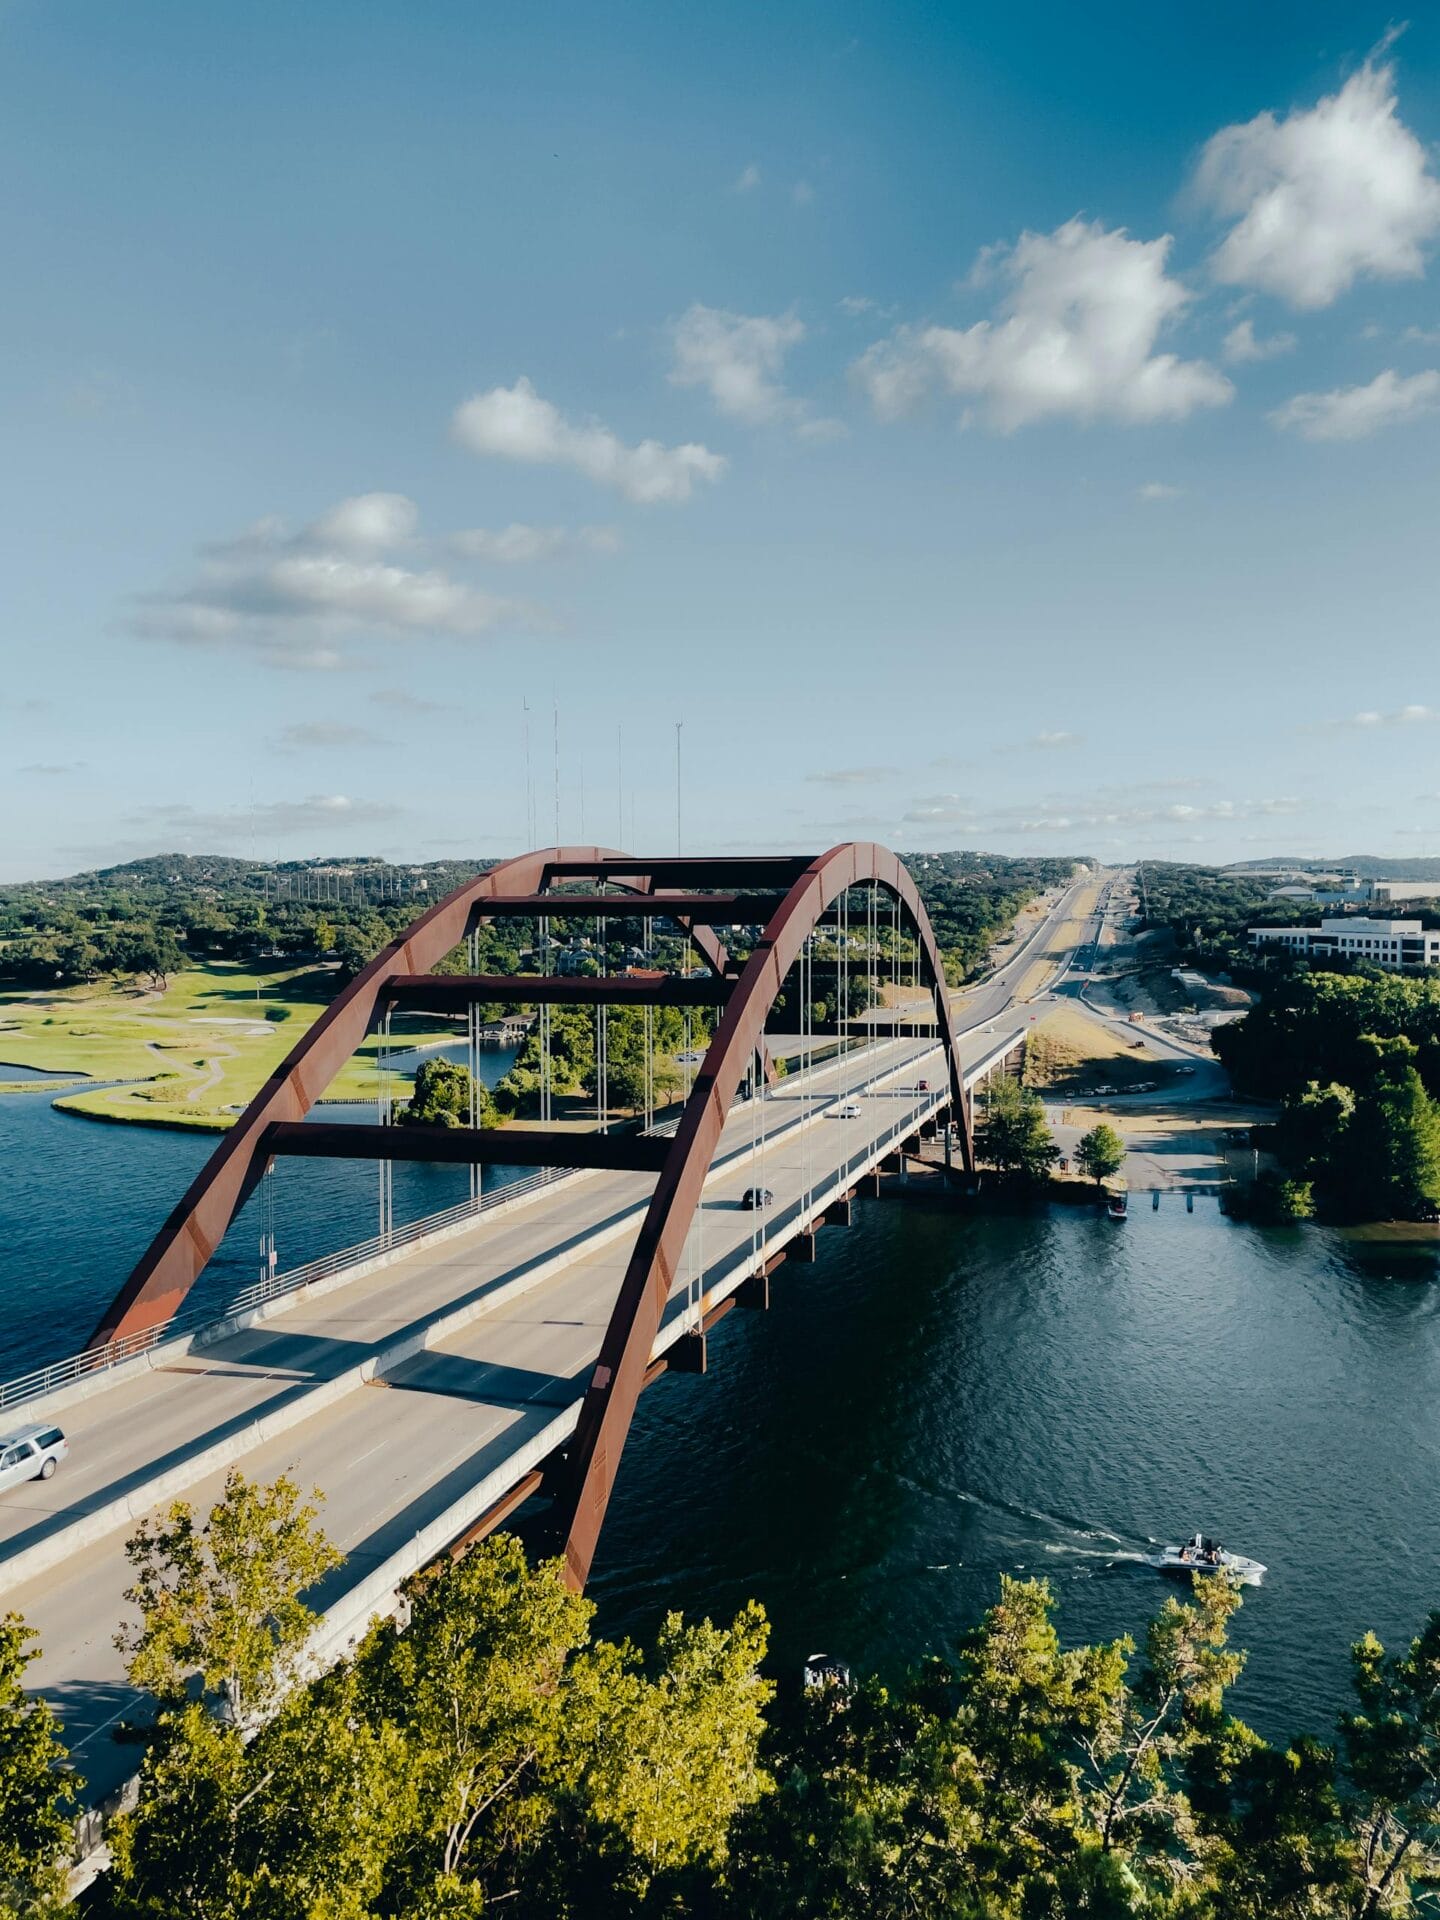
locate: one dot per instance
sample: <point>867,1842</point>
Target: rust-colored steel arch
<point>619,1375</point>
<point>184,1245</point>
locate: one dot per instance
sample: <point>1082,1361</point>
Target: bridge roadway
<point>417,1395</point>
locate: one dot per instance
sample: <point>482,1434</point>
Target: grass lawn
<point>204,1045</point>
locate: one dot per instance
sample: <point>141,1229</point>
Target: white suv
<point>31,1454</point>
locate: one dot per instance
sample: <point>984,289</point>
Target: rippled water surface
<point>940,1398</point>
<point>80,1200</point>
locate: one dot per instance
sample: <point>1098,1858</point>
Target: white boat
<point>1202,1555</point>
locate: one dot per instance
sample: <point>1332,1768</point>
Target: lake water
<point>940,1398</point>
<point>80,1200</point>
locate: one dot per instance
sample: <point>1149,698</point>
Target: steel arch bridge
<point>790,896</point>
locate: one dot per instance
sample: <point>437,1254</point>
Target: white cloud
<point>1411,716</point>
<point>514,423</point>
<point>802,193</point>
<point>518,544</point>
<point>749,179</point>
<point>854,303</point>
<point>1075,339</point>
<point>738,359</point>
<point>1087,817</point>
<point>1324,197</point>
<point>1158,490</point>
<point>1241,344</point>
<point>367,523</point>
<point>293,598</point>
<point>1056,737</point>
<point>1352,413</point>
<point>1422,336</point>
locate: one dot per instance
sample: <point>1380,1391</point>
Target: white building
<point>1384,943</point>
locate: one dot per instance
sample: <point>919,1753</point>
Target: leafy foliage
<point>220,1600</point>
<point>444,1090</point>
<point>36,1789</point>
<point>1356,1062</point>
<point>1012,1135</point>
<point>1100,1152</point>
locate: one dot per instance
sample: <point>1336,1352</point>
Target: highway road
<point>411,1389</point>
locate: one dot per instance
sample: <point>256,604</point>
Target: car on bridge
<point>755,1199</point>
<point>31,1454</point>
<point>845,1110</point>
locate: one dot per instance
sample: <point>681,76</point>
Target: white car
<point>32,1453</point>
<point>846,1110</point>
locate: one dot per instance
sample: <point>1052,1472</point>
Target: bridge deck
<point>409,1390</point>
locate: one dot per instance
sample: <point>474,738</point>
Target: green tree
<point>1392,1146</point>
<point>1100,1152</point>
<point>303,1819</point>
<point>219,1600</point>
<point>442,1095</point>
<point>1393,1756</point>
<point>1012,1135</point>
<point>669,1761</point>
<point>36,1788</point>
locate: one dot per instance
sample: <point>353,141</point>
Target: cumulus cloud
<point>292,598</point>
<point>1323,197</point>
<point>738,358</point>
<point>749,179</point>
<point>1411,716</point>
<point>1075,339</point>
<point>514,423</point>
<point>367,523</point>
<point>1353,413</point>
<point>519,545</point>
<point>1241,344</point>
<point>1158,490</point>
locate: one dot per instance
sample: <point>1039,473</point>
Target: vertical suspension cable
<point>384,1108</point>
<point>267,1229</point>
<point>544,1025</point>
<point>602,1037</point>
<point>473,1054</point>
<point>807,1060</point>
<point>649,1039</point>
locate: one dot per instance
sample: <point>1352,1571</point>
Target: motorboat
<point>823,1672</point>
<point>1118,1206</point>
<point>1200,1554</point>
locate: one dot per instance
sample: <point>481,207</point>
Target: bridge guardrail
<point>76,1366</point>
<point>40,1381</point>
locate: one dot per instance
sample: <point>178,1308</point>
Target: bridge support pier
<point>870,1184</point>
<point>802,1247</point>
<point>755,1292</point>
<point>690,1354</point>
<point>841,1212</point>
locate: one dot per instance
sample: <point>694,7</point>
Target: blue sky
<point>997,427</point>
